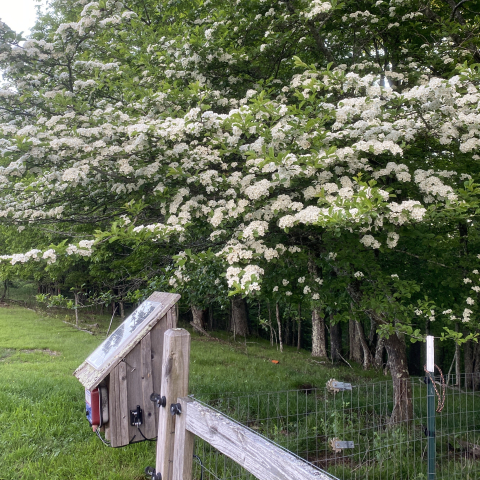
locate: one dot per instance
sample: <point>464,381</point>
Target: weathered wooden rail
<point>183,418</point>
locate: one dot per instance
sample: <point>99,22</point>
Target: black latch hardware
<point>150,472</point>
<point>159,400</point>
<point>136,417</point>
<point>175,409</point>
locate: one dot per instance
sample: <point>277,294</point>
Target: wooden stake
<point>175,368</point>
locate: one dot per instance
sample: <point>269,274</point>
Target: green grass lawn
<point>45,434</point>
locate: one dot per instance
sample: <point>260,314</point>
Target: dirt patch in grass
<point>5,353</point>
<point>52,353</point>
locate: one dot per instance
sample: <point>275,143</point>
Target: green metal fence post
<point>430,409</point>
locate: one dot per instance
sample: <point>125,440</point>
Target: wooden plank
<point>149,408</point>
<point>175,367</point>
<point>107,425</point>
<point>123,414</point>
<point>170,319</point>
<point>164,297</point>
<point>133,363</point>
<point>157,338</point>
<point>175,315</point>
<point>184,443</point>
<point>113,402</point>
<point>262,458</point>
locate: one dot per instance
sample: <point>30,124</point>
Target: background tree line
<point>292,168</point>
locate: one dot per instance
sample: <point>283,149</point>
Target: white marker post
<point>430,408</point>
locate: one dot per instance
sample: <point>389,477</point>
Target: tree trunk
<point>378,361</point>
<point>372,336</point>
<point>354,340</point>
<point>270,324</point>
<point>198,322</point>
<point>299,326</point>
<point>287,332</point>
<point>76,294</point>
<point>402,390</point>
<point>476,368</point>
<point>239,316</point>
<point>277,312</point>
<point>210,318</point>
<point>5,287</point>
<point>367,356</point>
<point>122,310</point>
<point>468,359</point>
<point>319,347</point>
<point>472,365</point>
<point>335,341</point>
<point>458,372</point>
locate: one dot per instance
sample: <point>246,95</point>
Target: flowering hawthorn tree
<point>336,144</point>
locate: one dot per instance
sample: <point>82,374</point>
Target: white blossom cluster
<point>261,168</point>
<point>84,249</point>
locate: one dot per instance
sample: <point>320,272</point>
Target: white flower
<point>470,301</point>
<point>306,290</point>
<point>369,241</point>
<point>285,282</point>
<point>275,289</point>
<point>50,256</point>
<point>466,315</point>
<point>301,280</point>
<point>358,275</point>
<point>447,312</point>
<point>256,228</point>
<point>467,280</point>
<point>394,276</point>
<point>392,239</point>
<point>315,296</point>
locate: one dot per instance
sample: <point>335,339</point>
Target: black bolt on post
<point>150,472</point>
<point>430,409</point>
<point>161,401</point>
<point>175,409</point>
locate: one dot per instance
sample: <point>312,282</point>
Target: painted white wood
<point>430,354</point>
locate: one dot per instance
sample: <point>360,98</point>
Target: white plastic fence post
<point>430,409</point>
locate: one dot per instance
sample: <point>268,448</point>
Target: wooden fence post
<point>175,368</point>
<point>184,443</point>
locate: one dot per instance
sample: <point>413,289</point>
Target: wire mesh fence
<point>210,464</point>
<point>348,432</point>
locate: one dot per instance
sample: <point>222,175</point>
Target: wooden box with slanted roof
<point>129,364</point>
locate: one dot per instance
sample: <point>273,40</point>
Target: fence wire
<point>319,425</point>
